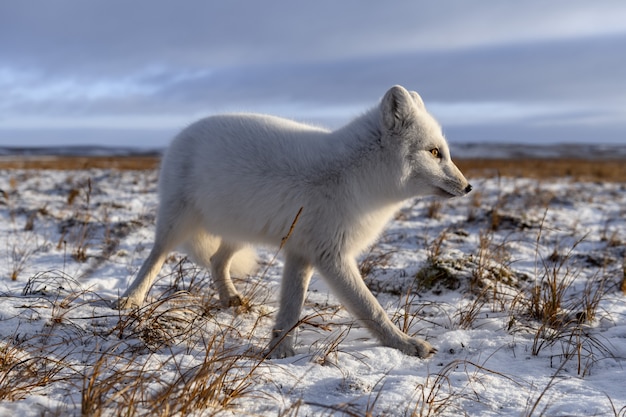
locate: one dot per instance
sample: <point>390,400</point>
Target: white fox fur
<point>232,180</point>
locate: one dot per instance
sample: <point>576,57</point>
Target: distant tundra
<point>231,181</point>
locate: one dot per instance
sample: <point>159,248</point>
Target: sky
<point>133,73</point>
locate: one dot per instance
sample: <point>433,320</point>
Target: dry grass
<point>80,162</point>
<point>579,169</point>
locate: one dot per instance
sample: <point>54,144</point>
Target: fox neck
<point>371,171</point>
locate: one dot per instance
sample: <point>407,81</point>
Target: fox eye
<point>435,152</point>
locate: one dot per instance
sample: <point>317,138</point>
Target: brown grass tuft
<point>578,169</point>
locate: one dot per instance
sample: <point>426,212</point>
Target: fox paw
<point>417,347</point>
<point>281,346</point>
<point>280,351</point>
<point>125,303</point>
<point>232,301</point>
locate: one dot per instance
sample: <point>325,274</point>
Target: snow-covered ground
<point>517,285</point>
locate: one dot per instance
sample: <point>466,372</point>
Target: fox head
<point>424,157</point>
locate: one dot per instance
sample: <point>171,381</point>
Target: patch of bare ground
<point>579,169</point>
<point>122,163</point>
<point>613,170</point>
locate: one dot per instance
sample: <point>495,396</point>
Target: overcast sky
<point>133,73</point>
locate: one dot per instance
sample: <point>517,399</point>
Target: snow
<point>72,240</point>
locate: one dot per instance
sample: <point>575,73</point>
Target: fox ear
<point>396,108</point>
<point>417,100</point>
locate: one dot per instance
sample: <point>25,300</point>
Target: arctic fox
<point>229,181</point>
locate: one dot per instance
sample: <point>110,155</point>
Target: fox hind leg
<point>173,226</point>
<point>219,264</point>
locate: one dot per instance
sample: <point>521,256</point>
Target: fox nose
<point>468,188</point>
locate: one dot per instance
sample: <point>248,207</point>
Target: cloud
<point>73,35</point>
<point>157,65</point>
